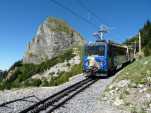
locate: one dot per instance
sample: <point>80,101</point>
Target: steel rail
<point>49,101</point>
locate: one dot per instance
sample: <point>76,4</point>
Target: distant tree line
<point>146,38</point>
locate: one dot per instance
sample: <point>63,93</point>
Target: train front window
<point>96,50</point>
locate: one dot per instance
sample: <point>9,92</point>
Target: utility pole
<point>135,48</point>
<point>139,43</point>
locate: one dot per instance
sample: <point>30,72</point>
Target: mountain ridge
<point>55,44</point>
<point>52,37</point>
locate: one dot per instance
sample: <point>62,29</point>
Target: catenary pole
<point>139,43</point>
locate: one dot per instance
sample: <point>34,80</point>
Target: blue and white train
<point>104,57</point>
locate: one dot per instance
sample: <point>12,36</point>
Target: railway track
<point>56,100</point>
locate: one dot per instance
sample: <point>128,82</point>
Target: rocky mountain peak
<point>53,36</point>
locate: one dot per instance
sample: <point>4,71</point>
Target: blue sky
<point>19,20</point>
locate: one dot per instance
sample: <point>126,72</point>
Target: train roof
<point>117,45</point>
<point>97,42</point>
<point>111,43</point>
<point>101,42</point>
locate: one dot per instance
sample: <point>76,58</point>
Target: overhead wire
<point>93,14</point>
<point>73,12</point>
<point>89,10</point>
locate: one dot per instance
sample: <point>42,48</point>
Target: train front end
<point>95,59</point>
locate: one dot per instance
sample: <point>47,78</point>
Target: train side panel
<point>117,56</point>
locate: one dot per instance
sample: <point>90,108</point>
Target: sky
<point>19,20</point>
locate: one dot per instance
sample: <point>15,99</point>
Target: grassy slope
<point>137,72</point>
<point>135,95</point>
<point>25,71</point>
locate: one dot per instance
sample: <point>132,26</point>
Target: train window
<point>95,50</point>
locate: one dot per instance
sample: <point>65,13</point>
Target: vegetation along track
<point>56,100</point>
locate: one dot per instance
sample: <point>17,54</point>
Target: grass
<point>22,72</point>
<point>137,72</point>
<point>62,78</point>
<point>21,77</point>
<point>60,25</point>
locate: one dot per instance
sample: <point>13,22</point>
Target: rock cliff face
<point>53,36</point>
<point>1,73</point>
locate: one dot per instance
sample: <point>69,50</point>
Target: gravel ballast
<point>87,101</point>
<point>33,95</point>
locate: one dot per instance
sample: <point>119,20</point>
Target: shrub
<point>59,25</point>
<point>45,83</point>
<point>33,82</point>
<point>24,71</point>
<point>64,76</point>
<point>5,85</point>
<point>68,64</point>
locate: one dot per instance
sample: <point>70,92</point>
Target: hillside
<point>146,38</point>
<point>131,90</point>
<point>52,57</point>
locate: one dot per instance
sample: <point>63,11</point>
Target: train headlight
<point>102,63</point>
